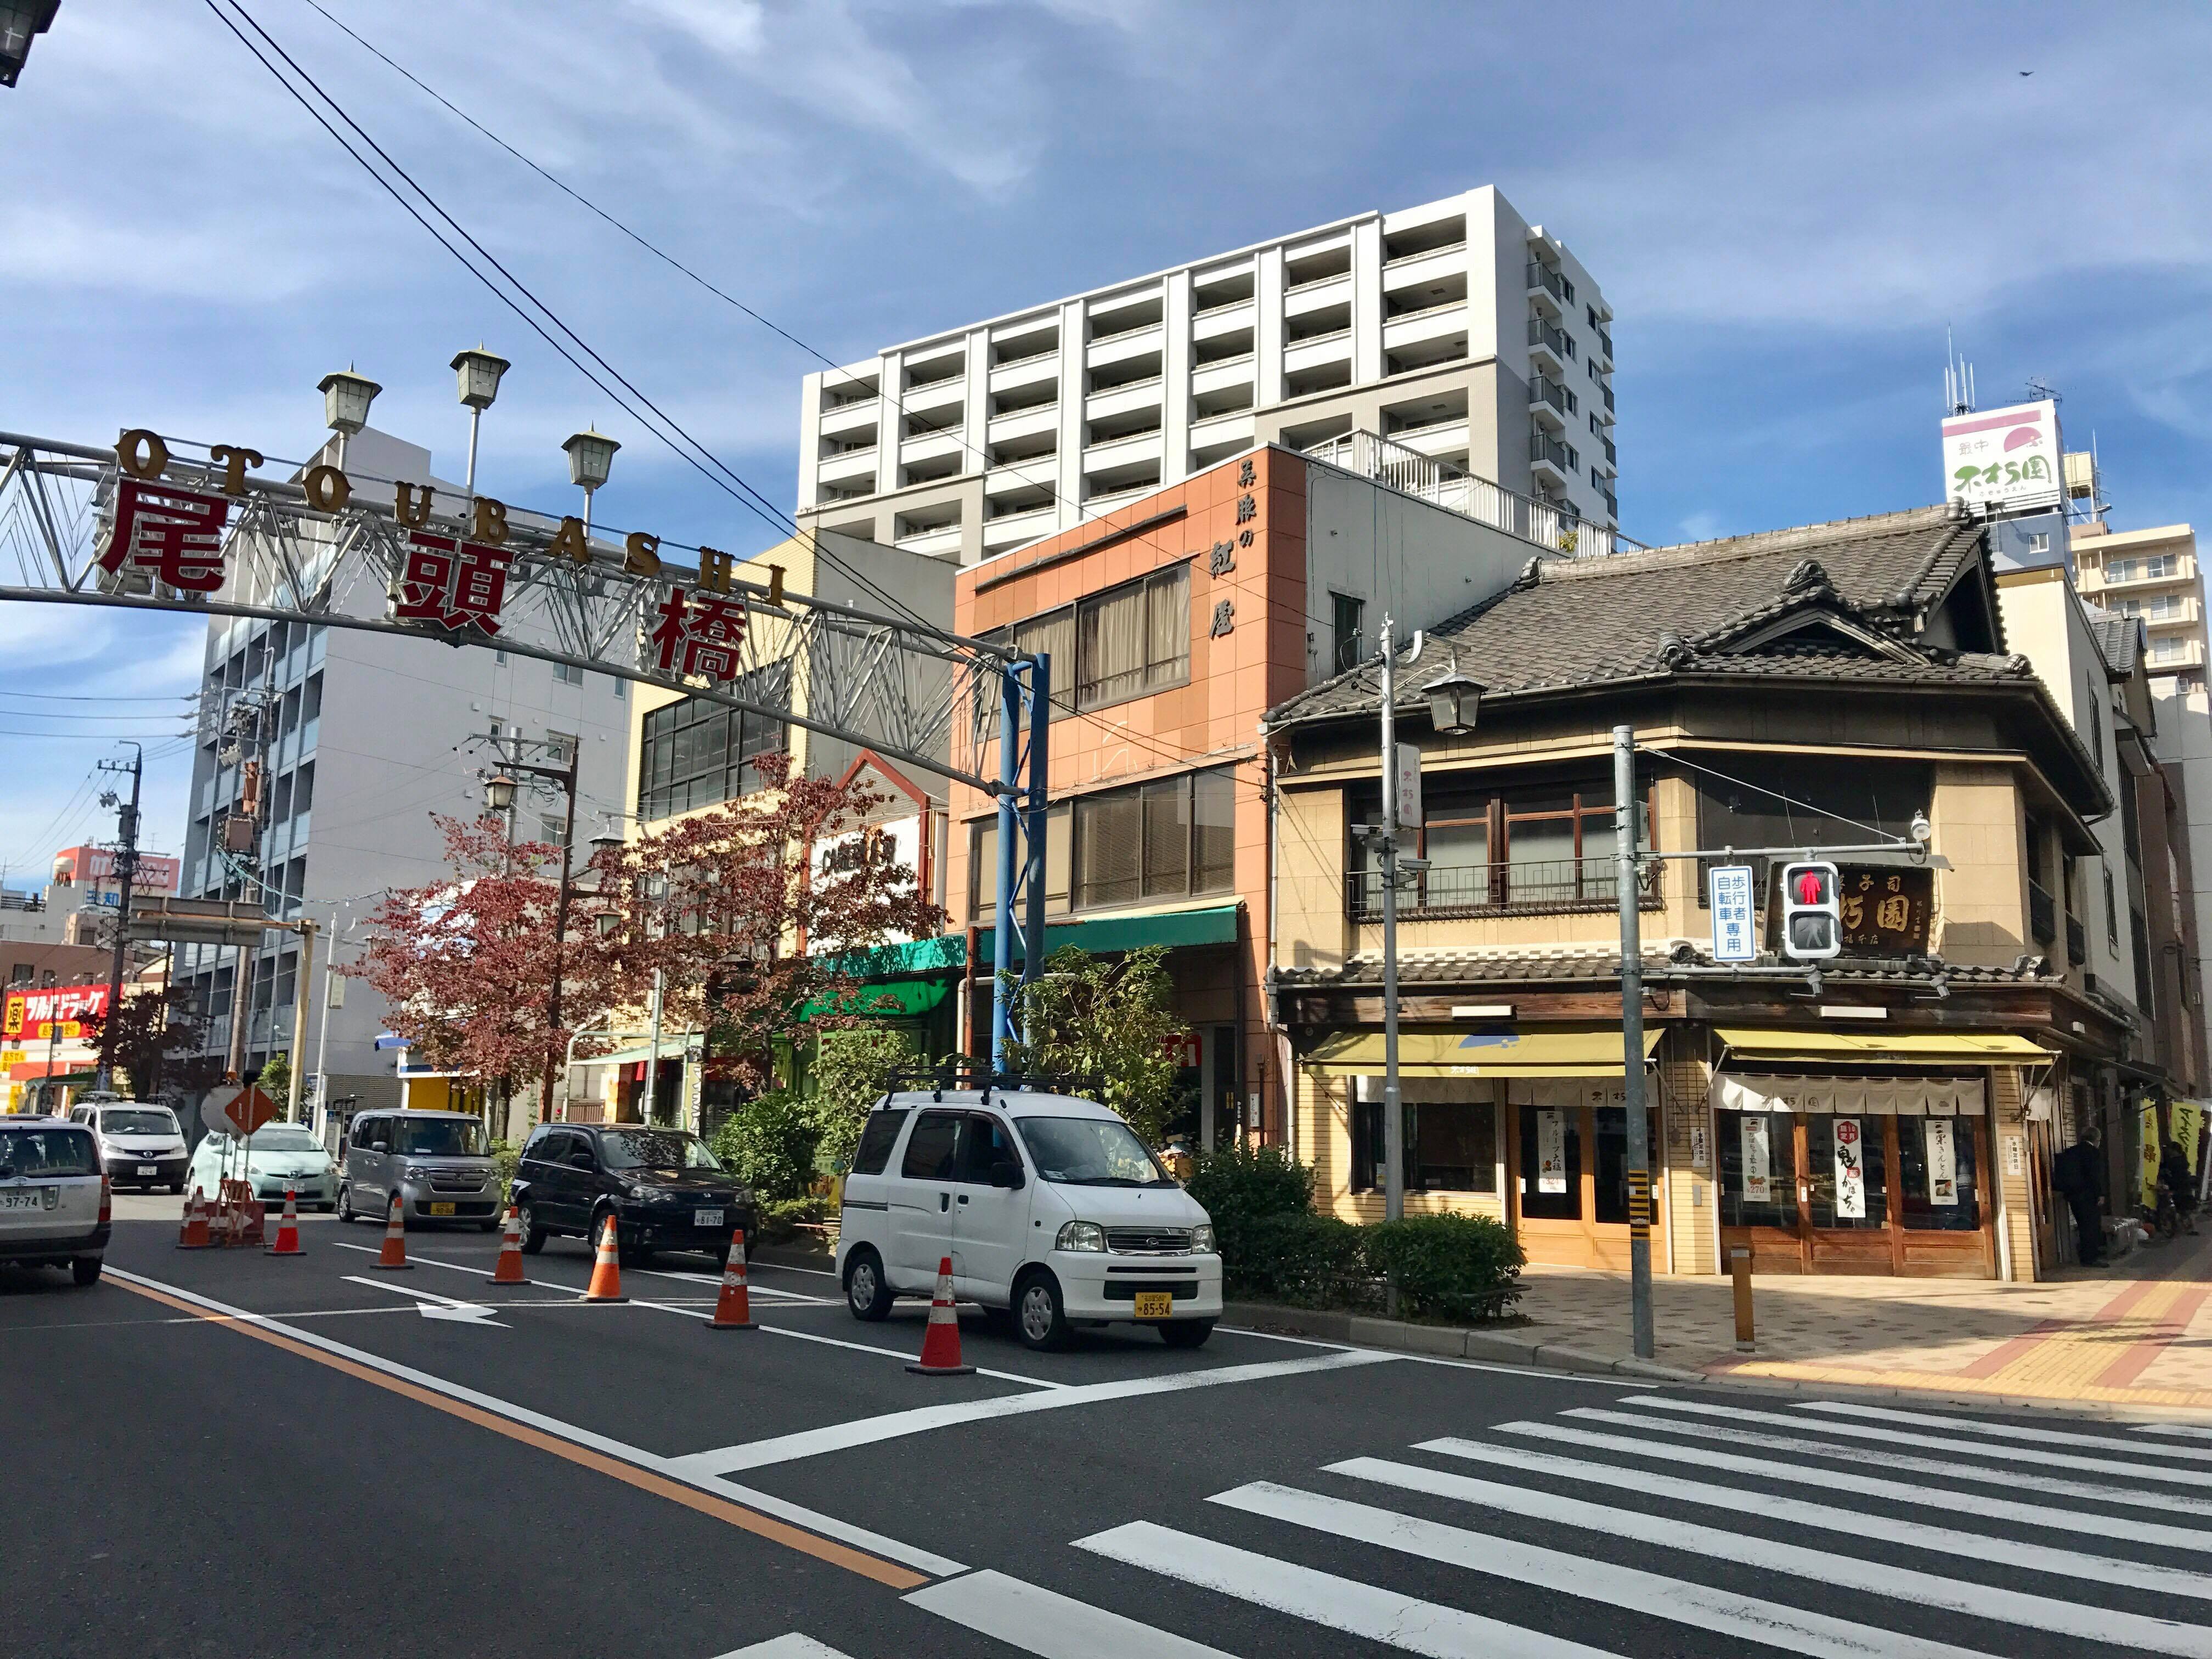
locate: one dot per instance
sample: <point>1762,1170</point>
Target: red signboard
<point>33,1016</point>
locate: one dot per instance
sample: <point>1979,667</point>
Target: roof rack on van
<point>966,1072</point>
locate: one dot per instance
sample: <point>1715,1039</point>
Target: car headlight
<point>1080,1235</point>
<point>1201,1241</point>
<point>655,1194</point>
<point>416,1172</point>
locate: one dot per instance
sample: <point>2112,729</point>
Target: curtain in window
<point>1167,839</point>
<point>1114,630</point>
<point>1110,843</point>
<point>1168,628</point>
<point>1054,635</point>
<point>1213,813</point>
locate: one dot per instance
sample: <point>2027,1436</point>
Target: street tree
<point>1109,1025</point>
<point>150,1040</point>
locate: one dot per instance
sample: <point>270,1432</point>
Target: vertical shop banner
<point>2149,1136</point>
<point>2189,1129</point>
<point>1850,1171</point>
<point>1758,1169</point>
<point>1700,1160</point>
<point>1550,1149</point>
<point>1942,1160</point>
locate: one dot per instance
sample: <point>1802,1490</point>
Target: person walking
<point>2075,1176</point>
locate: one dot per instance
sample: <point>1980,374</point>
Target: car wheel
<point>1040,1318</point>
<point>1186,1333</point>
<point>866,1292</point>
<point>533,1236</point>
<point>85,1270</point>
<point>176,1187</point>
<point>345,1204</point>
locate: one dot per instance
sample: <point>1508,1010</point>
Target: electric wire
<point>1760,789</point>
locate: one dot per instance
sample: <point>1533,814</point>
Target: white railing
<point>1557,532</point>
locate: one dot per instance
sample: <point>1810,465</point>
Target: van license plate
<point>1155,1305</point>
<point>706,1218</point>
<point>441,1209</point>
<point>24,1198</point>
<point>149,1169</point>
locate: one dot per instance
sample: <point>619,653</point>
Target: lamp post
<point>591,458</point>
<point>346,398</point>
<point>478,372</point>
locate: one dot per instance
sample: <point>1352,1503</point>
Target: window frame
<point>1071,678</point>
<point>1188,783</point>
<point>661,735</point>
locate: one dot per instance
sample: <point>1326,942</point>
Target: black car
<point>663,1187</point>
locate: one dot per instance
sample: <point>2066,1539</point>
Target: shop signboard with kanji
<point>1883,910</point>
<point>57,1011</point>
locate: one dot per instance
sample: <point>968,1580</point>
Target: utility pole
<point>126,867</point>
<point>503,785</point>
<point>1394,1114</point>
<point>1631,1041</point>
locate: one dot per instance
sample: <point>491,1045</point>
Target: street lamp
<point>591,458</point>
<point>478,372</point>
<point>499,792</point>
<point>346,398</point>
<point>1452,702</point>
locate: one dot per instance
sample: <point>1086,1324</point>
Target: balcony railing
<point>1541,275</point>
<point>1550,528</point>
<point>1551,337</point>
<point>1513,888</point>
<point>2042,914</point>
<point>1543,447</point>
<point>1608,391</point>
<point>2077,941</point>
<point>1605,344</point>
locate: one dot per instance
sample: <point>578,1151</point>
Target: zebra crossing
<point>1657,1523</point>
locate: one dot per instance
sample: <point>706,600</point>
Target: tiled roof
<point>1661,962</point>
<point>2120,639</point>
<point>1577,622</point>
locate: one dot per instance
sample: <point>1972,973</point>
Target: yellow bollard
<point>1740,1270</point>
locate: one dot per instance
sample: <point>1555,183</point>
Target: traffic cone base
<point>288,1228</point>
<point>194,1234</point>
<point>941,1340</point>
<point>734,1307</point>
<point>393,1257</point>
<point>509,1268</point>
<point>606,1269</point>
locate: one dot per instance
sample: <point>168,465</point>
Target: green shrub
<point>505,1155</point>
<point>1459,1267</point>
<point>770,1145</point>
<point>1291,1256</point>
<point>1238,1185</point>
<point>780,1218</point>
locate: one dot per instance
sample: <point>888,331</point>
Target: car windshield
<point>142,1121</point>
<point>655,1149</point>
<point>32,1153</point>
<point>1090,1151</point>
<point>441,1137</point>
<point>284,1138</point>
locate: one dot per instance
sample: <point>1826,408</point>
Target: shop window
<point>1846,1172</point>
<point>1551,848</point>
<point>1809,801</point>
<point>1758,1169</point>
<point>1551,1163</point>
<point>700,754</point>
<point>1451,1146</point>
<point>1938,1175</point>
<point>1172,839</point>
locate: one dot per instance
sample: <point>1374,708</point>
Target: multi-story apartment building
<point>1456,328</point>
<point>2153,574</point>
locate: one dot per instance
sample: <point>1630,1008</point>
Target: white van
<point>1050,1206</point>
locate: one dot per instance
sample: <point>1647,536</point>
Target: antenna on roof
<point>1958,379</point>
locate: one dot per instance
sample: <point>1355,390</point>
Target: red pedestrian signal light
<point>1812,921</point>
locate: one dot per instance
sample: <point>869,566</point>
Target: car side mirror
<point>1008,1174</point>
<point>579,1160</point>
<point>380,1146</point>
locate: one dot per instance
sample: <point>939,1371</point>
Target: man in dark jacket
<point>2076,1176</point>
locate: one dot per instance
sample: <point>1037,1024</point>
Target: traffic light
<point>1812,922</point>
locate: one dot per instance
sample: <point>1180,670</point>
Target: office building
<point>2153,574</point>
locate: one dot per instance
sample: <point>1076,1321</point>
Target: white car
<point>1050,1206</point>
<point>55,1207</point>
<point>274,1157</point>
<point>141,1145</point>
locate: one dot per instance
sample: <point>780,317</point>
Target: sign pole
<point>1631,1041</point>
<point>1393,1116</point>
<point>126,867</point>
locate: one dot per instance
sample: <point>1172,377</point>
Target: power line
<point>61,696</point>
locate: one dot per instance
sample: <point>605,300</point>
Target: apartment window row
<point>2153,569</point>
<point>700,754</point>
<point>1126,642</point>
<point>1546,846</point>
<point>2154,610</point>
<point>1173,838</point>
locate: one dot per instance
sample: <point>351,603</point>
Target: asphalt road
<point>218,1453</point>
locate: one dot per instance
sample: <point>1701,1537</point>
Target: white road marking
<point>2191,1431</point>
<point>1916,1535</point>
<point>1996,1431</point>
<point>696,1279</point>
<point>794,1646</point>
<point>1344,1604</point>
<point>869,1430</point>
<point>434,1306</point>
<point>858,1347</point>
<point>1945,1498</point>
<point>798,1515</point>
<point>1823,1566</point>
<point>2017,1479</point>
<point>1747,1618</point>
<point>2128,1470</point>
<point>1049,1625</point>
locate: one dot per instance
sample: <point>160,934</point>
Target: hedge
<point>1456,1267</point>
<point>1313,1259</point>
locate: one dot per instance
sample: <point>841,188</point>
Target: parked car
<point>439,1163</point>
<point>274,1157</point>
<point>1052,1210</point>
<point>141,1144</point>
<point>663,1187</point>
<point>55,1200</point>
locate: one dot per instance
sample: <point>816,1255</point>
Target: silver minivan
<point>438,1163</point>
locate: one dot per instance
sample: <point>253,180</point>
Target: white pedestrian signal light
<point>1812,921</point>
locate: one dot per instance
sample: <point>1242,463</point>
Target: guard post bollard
<point>1740,1270</point>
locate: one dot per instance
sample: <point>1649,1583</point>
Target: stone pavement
<point>2135,1335</point>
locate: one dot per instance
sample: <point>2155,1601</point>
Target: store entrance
<point>1569,1149</point>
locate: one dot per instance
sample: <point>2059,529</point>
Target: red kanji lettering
<point>700,635</point>
<point>450,583</point>
<point>176,534</point>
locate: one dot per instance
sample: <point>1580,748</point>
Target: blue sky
<point>1787,207</point>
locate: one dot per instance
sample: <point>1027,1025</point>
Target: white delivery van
<point>1050,1209</point>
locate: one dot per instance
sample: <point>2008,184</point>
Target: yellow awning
<point>1913,1048</point>
<point>1482,1054</point>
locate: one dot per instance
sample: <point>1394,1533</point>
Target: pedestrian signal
<point>1812,922</point>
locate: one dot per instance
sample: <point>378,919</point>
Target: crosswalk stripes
<point>1851,1564</point>
<point>2186,1431</point>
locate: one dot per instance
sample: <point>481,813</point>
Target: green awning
<point>899,999</point>
<point>1214,925</point>
<point>947,952</point>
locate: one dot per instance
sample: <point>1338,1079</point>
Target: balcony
<point>1555,532</point>
<point>2077,941</point>
<point>1551,341</point>
<point>1546,282</point>
<point>2042,914</point>
<point>1551,400</point>
<point>1547,454</point>
<point>1608,391</point>
<point>1605,344</point>
<point>1531,888</point>
<point>854,414</point>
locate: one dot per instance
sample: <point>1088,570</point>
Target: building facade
<point>2151,574</point>
<point>1891,1111</point>
<point>1456,328</point>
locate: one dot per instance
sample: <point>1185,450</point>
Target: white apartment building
<point>1456,329</point>
<point>2153,574</point>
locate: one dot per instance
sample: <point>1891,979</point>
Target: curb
<point>785,1255</point>
<point>1448,1341</point>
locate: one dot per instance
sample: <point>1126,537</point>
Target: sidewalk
<point>2134,1336</point>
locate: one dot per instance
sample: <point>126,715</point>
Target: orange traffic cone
<point>393,1256</point>
<point>606,1271</point>
<point>194,1235</point>
<point>509,1270</point>
<point>288,1228</point>
<point>940,1343</point>
<point>733,1308</point>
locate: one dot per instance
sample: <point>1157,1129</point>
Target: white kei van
<point>1050,1209</point>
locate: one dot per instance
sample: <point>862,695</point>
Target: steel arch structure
<point>166,525</point>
